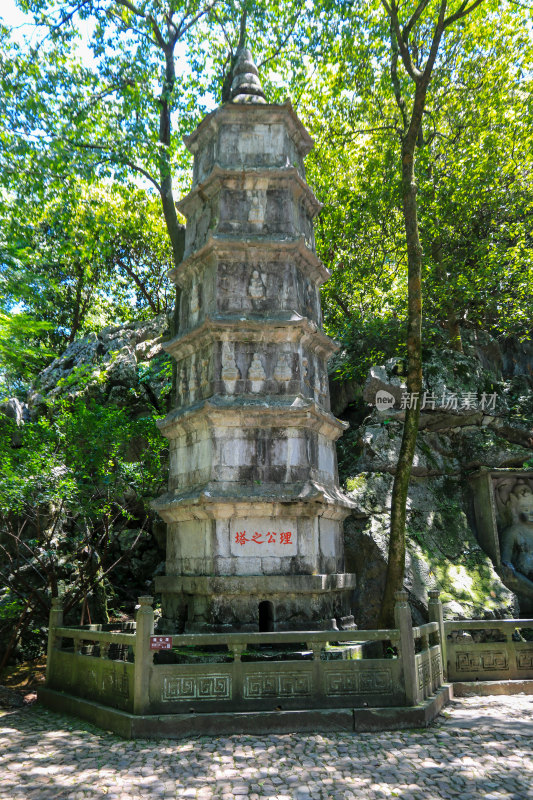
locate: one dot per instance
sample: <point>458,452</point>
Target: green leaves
<point>21,352</point>
<point>93,254</point>
<point>70,482</point>
<point>474,167</point>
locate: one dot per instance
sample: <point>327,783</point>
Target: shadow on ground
<point>480,748</point>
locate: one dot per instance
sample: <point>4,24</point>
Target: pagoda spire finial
<point>246,86</point>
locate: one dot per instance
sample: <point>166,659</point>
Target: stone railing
<point>488,650</point>
<point>90,662</point>
<point>428,662</point>
<point>118,669</point>
<point>297,670</point>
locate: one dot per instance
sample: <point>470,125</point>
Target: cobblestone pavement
<point>479,748</point>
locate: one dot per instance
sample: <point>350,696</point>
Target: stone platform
<point>178,726</point>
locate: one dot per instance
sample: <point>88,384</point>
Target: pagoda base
<point>217,604</point>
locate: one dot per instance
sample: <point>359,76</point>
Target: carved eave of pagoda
<point>235,247</point>
<point>284,411</point>
<point>229,112</point>
<point>285,326</point>
<point>223,177</point>
<point>215,500</point>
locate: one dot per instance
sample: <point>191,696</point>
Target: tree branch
<point>461,12</point>
<point>68,17</point>
<point>129,271</point>
<point>435,42</point>
<point>400,102</point>
<point>131,27</point>
<point>392,11</point>
<point>144,172</point>
<point>282,44</point>
<point>182,28</point>
<point>157,33</point>
<point>131,7</point>
<point>342,305</point>
<point>414,19</point>
<point>226,37</point>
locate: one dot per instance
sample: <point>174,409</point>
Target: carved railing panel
<point>489,650</point>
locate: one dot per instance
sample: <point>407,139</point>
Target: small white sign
<point>263,538</point>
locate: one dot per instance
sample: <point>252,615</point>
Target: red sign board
<point>160,642</point>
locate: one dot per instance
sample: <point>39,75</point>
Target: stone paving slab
<point>480,747</point>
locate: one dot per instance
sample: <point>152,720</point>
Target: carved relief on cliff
<point>514,511</point>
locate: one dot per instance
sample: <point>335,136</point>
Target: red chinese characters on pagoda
<point>271,537</point>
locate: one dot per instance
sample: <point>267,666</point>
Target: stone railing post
<point>55,621</point>
<point>436,615</point>
<point>237,650</point>
<point>402,616</point>
<point>143,655</point>
<point>318,674</point>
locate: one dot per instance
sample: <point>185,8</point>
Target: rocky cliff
<point>122,364</point>
<point>476,411</point>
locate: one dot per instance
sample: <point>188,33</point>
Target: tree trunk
<point>396,563</point>
<point>409,138</point>
<point>454,331</point>
<point>176,231</point>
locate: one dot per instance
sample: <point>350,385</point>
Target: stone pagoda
<point>254,509</point>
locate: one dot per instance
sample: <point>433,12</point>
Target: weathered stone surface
<point>249,206</point>
<point>234,137</point>
<point>255,546</point>
<point>443,552</point>
<point>503,515</point>
<point>253,489</point>
<point>15,410</point>
<point>455,384</point>
<point>384,378</point>
<point>480,446</point>
<point>239,357</point>
<point>478,414</point>
<point>380,447</point>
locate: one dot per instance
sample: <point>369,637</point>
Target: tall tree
<point>454,83</point>
<point>473,166</point>
<point>121,113</point>
<point>415,42</point>
<point>150,80</point>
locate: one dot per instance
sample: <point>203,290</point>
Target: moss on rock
<point>442,551</point>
